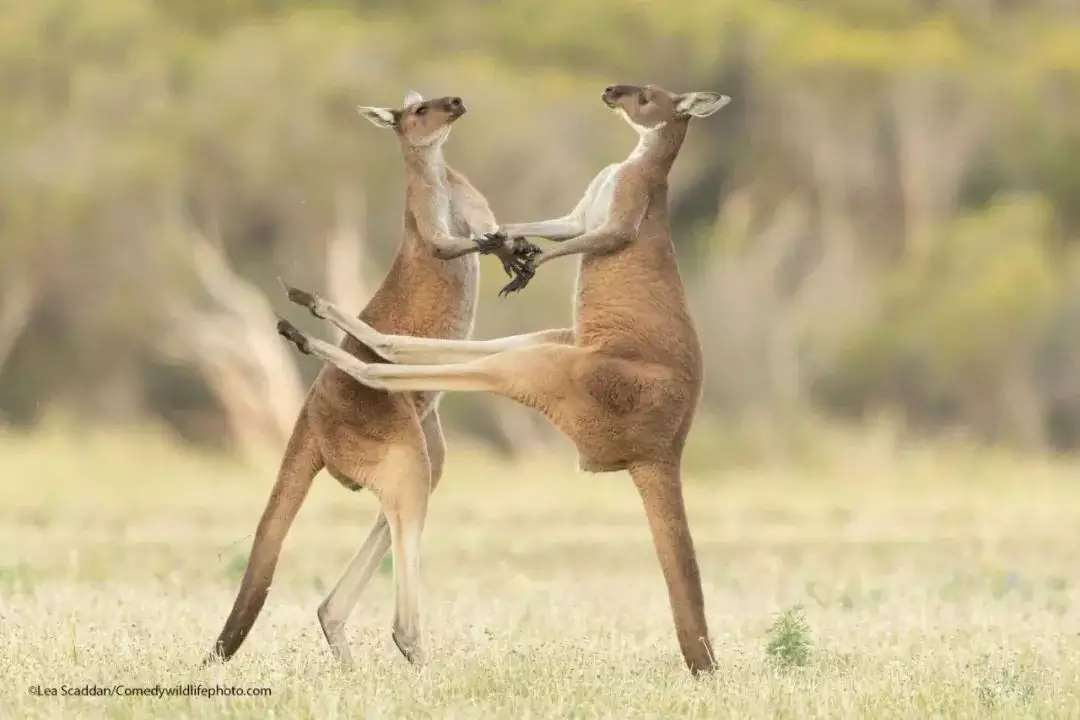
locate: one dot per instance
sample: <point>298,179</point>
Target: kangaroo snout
<point>612,93</point>
<point>455,106</point>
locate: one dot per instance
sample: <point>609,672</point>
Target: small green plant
<point>236,566</point>
<point>789,639</point>
<point>1006,684</point>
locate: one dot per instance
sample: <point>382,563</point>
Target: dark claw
<point>509,265</point>
<point>490,242</point>
<point>524,274</point>
<point>515,264</point>
<point>288,331</point>
<point>522,248</point>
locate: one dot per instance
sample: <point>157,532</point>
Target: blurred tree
<point>884,217</point>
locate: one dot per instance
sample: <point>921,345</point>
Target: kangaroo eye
<point>421,110</point>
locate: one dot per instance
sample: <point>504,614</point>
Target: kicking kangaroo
<point>392,444</point>
<point>624,382</point>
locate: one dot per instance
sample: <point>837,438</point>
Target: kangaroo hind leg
<point>402,484</point>
<point>340,603</point>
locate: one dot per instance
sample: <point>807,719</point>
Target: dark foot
<point>288,331</point>
<point>301,297</point>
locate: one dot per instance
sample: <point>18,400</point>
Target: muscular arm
<point>628,207</point>
<point>599,241</point>
<point>557,230</point>
<point>466,204</point>
<point>447,247</point>
<point>570,225</point>
<point>443,244</point>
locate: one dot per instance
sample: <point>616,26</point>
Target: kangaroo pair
<point>623,383</point>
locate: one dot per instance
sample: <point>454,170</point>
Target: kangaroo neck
<point>428,189</point>
<point>426,166</point>
<point>657,148</point>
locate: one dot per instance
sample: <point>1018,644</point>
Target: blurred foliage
<point>883,220</point>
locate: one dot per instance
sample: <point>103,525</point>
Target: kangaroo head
<point>650,107</point>
<point>419,122</point>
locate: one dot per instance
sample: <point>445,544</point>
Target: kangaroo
<point>624,382</point>
<point>392,444</point>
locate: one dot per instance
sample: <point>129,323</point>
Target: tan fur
<point>392,444</point>
<point>624,383</point>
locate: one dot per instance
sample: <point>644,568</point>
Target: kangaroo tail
<point>660,487</point>
<point>299,466</point>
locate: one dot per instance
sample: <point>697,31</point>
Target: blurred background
<point>881,229</point>
<point>880,237</point>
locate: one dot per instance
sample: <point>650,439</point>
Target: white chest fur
<point>438,190</point>
<point>602,190</point>
<point>598,207</point>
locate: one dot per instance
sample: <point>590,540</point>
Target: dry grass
<point>932,585</point>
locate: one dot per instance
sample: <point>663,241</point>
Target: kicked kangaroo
<point>624,382</point>
<point>392,444</point>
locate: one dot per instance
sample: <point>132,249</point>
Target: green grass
<point>879,584</point>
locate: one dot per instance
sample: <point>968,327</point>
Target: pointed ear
<point>381,117</point>
<point>412,97</point>
<point>701,104</point>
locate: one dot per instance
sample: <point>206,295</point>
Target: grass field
<point>932,585</point>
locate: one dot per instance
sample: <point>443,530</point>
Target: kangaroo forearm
<point>556,230</point>
<point>597,242</point>
<point>448,247</point>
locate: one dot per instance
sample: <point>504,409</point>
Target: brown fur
<point>624,384</point>
<point>392,444</point>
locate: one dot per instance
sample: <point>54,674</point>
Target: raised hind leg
<point>524,374</point>
<point>420,350</point>
<point>343,598</point>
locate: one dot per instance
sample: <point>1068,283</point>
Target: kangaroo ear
<point>381,117</point>
<point>412,97</point>
<point>701,104</point>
